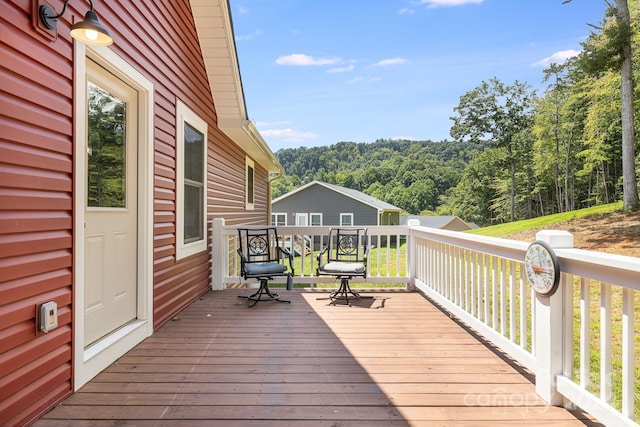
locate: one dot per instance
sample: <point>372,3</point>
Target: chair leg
<point>343,292</point>
<point>263,290</point>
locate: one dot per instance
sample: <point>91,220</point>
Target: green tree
<point>612,50</point>
<point>499,113</point>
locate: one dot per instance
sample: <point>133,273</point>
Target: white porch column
<point>217,255</point>
<point>550,327</point>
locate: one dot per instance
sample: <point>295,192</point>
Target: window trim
<point>311,215</point>
<point>275,215</point>
<point>349,215</point>
<point>249,190</point>
<point>185,114</point>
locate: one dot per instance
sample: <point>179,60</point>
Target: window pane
<point>346,220</point>
<point>316,219</point>
<point>192,213</point>
<point>193,153</point>
<point>249,184</point>
<point>106,180</point>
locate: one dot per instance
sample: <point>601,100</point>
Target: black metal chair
<point>262,258</point>
<point>344,257</point>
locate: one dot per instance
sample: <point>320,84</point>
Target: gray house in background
<point>452,223</point>
<point>320,203</point>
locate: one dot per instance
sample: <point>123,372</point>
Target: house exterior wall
<point>159,40</point>
<point>319,199</point>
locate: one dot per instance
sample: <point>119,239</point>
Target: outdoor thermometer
<point>542,268</point>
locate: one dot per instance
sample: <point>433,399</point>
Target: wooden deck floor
<point>395,360</point>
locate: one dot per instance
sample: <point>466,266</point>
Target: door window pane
<point>106,160</point>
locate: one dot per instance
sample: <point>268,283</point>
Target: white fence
<point>580,342</point>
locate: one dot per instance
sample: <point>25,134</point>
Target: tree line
<point>516,153</point>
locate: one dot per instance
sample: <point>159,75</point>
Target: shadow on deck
<point>395,360</point>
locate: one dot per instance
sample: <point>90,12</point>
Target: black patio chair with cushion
<point>262,258</point>
<point>344,257</point>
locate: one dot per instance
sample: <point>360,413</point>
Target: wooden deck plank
<point>394,360</point>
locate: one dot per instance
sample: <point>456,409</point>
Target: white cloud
<point>447,3</point>
<point>289,135</point>
<point>557,58</point>
<point>390,61</point>
<point>406,11</point>
<point>305,60</point>
<point>342,69</point>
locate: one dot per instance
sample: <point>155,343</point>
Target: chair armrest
<point>289,256</point>
<point>322,252</point>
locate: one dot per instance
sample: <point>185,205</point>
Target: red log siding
<point>36,182</point>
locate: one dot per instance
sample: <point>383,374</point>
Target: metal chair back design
<point>262,258</point>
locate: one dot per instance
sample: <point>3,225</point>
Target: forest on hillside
<point>409,174</point>
<point>516,153</point>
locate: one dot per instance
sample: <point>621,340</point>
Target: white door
<point>301,219</point>
<point>110,279</point>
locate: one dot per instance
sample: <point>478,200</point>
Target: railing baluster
<point>605,342</point>
<point>585,334</point>
<point>628,353</point>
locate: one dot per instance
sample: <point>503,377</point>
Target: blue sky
<point>320,72</point>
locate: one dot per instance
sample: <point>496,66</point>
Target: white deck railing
<point>580,343</point>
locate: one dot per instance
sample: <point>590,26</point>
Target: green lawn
<point>502,230</point>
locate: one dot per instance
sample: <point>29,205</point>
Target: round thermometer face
<point>542,268</point>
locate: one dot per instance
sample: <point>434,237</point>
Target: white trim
<point>88,363</point>
<point>277,214</point>
<point>185,114</point>
<point>312,214</point>
<point>249,163</point>
<point>348,215</point>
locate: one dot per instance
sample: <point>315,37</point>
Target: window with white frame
<point>279,219</point>
<point>250,180</point>
<point>346,219</point>
<point>316,218</point>
<point>191,190</point>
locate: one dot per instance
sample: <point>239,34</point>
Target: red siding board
<point>29,402</point>
<point>24,199</point>
<point>29,286</point>
<point>30,354</point>
<point>32,157</point>
<point>12,222</point>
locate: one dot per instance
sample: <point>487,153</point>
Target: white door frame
<point>302,215</point>
<point>91,361</point>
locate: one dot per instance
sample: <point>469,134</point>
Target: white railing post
<point>549,328</point>
<point>411,253</point>
<point>218,254</point>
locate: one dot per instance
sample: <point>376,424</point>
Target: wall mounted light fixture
<point>89,30</point>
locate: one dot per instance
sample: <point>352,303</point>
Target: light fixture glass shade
<point>91,31</point>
